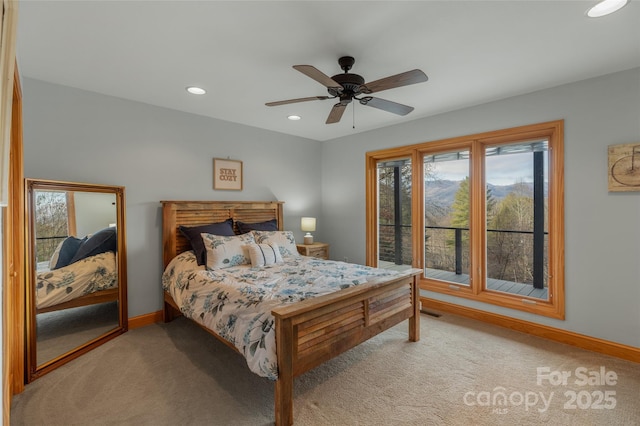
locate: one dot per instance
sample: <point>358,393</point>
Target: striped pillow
<point>284,239</point>
<point>264,254</point>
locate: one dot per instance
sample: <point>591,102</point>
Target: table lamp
<point>308,224</point>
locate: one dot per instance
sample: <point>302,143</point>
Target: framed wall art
<point>227,174</point>
<point>624,167</point>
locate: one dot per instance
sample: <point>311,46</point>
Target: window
<point>489,211</point>
<point>55,213</point>
<point>394,214</point>
<point>517,182</point>
<point>446,216</point>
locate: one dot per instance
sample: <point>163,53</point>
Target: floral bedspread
<point>236,302</point>
<point>78,279</point>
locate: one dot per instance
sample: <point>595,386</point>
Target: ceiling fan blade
<point>398,80</point>
<point>336,113</point>
<point>319,76</point>
<point>386,105</point>
<point>293,101</point>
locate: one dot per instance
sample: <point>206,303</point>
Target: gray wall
<point>602,229</point>
<point>94,211</point>
<point>160,154</point>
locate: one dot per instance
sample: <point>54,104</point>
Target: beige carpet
<point>176,374</point>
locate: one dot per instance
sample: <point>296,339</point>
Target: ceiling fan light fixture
<point>194,90</point>
<point>606,7</point>
<point>347,86</point>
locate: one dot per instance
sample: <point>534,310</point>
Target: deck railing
<point>45,246</point>
<point>439,257</point>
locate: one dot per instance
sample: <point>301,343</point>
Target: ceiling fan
<point>348,87</point>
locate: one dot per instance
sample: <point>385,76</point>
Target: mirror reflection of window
<point>52,223</point>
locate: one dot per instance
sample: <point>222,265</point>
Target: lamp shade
<point>308,224</point>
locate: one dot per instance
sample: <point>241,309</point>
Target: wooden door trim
<point>13,377</point>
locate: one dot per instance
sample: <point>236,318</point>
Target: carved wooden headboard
<point>194,213</point>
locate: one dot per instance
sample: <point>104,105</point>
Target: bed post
<point>168,232</point>
<point>414,321</point>
<point>284,384</point>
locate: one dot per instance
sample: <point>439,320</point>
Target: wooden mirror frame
<point>33,370</point>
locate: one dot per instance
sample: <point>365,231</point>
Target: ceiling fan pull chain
<point>354,114</point>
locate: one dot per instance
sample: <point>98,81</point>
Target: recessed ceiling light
<point>294,117</point>
<point>605,7</point>
<point>196,90</point>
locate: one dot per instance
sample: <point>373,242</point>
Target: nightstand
<point>319,250</point>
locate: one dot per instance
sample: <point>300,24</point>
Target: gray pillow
<point>269,225</point>
<point>68,250</point>
<point>101,242</point>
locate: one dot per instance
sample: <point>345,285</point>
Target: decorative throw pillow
<point>264,254</point>
<point>101,242</point>
<point>284,239</point>
<point>224,251</point>
<point>54,256</point>
<point>269,225</point>
<point>68,250</point>
<point>192,234</point>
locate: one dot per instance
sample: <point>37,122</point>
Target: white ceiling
<point>242,52</point>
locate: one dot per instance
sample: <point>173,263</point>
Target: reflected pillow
<point>192,234</point>
<point>225,252</point>
<point>101,242</point>
<point>54,256</point>
<point>284,239</point>
<point>269,225</point>
<point>68,250</point>
<point>264,254</point>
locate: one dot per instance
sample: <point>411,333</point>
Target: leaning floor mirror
<point>76,277</point>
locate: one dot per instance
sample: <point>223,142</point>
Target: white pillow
<point>284,239</point>
<point>264,254</point>
<point>54,257</point>
<point>225,252</point>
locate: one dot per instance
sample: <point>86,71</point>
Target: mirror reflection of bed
<point>76,291</point>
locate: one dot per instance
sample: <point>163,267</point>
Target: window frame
<point>553,132</point>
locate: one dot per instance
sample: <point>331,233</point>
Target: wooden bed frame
<point>102,296</point>
<point>310,332</point>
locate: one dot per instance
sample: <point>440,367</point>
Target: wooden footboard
<point>311,332</point>
<point>102,296</point>
<point>316,330</point>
